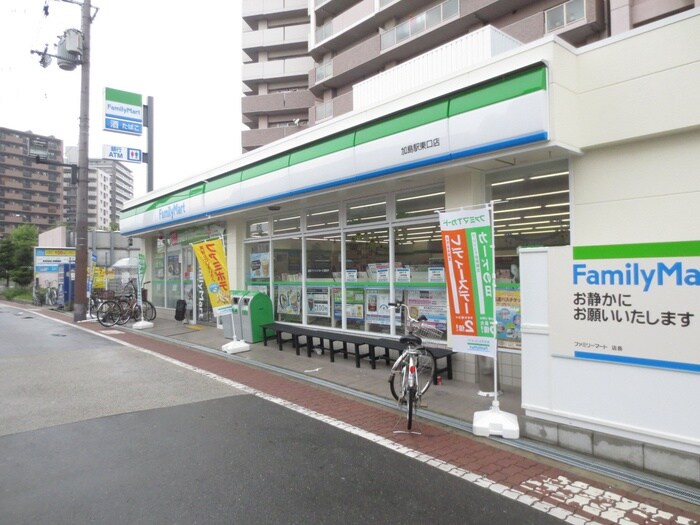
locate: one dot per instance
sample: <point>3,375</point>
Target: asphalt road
<point>95,432</point>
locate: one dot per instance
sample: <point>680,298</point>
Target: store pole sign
<point>123,112</point>
<point>467,244</point>
<point>212,259</point>
<point>630,304</point>
<point>122,153</point>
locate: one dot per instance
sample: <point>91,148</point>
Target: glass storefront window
<point>288,295</point>
<point>323,280</point>
<point>286,224</point>
<point>257,256</point>
<point>257,228</point>
<point>173,275</point>
<point>416,203</point>
<point>322,218</point>
<point>366,211</point>
<point>158,281</point>
<point>367,280</point>
<point>419,276</point>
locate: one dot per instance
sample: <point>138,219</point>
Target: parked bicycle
<point>412,373</point>
<point>109,313</point>
<point>131,309</point>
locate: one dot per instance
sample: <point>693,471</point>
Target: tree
<point>6,256</point>
<point>23,239</point>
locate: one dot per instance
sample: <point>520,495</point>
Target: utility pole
<point>80,305</point>
<point>74,50</point>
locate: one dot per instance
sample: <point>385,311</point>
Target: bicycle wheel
<point>149,311</point>
<point>397,379</point>
<point>126,309</point>
<point>108,313</point>
<point>412,405</point>
<point>424,371</point>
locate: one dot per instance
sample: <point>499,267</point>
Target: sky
<point>186,55</point>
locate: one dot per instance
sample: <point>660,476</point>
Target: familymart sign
<point>629,304</point>
<point>123,112</point>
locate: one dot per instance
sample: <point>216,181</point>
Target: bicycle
<point>412,373</point>
<point>132,310</point>
<point>108,313</point>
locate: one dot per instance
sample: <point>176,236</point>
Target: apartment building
<point>275,70</point>
<point>354,40</point>
<point>110,185</point>
<point>29,192</point>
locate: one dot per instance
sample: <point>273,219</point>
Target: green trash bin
<point>256,310</point>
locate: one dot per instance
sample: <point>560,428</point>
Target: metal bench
<point>311,334</point>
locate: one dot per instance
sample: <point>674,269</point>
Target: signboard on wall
<point>633,304</point>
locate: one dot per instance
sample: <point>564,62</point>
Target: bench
<point>438,353</point>
<point>311,334</point>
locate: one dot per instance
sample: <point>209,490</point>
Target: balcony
<point>254,10</point>
<point>425,21</point>
<point>463,53</point>
<point>275,70</point>
<point>278,37</point>
<point>288,102</point>
<point>361,20</point>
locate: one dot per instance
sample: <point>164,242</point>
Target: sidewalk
<point>358,401</point>
<point>454,399</point>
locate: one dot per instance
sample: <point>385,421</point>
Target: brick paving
<point>557,490</point>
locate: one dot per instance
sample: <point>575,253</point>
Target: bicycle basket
<point>429,332</point>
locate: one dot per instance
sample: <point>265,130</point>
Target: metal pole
<point>149,123</point>
<point>80,305</point>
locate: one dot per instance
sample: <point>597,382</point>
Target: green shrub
<point>17,293</point>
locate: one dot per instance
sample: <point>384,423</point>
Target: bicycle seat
<point>412,340</point>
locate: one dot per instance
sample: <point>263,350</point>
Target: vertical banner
<point>212,260</point>
<point>141,273</point>
<point>467,244</point>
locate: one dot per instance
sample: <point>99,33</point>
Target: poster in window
<point>318,302</point>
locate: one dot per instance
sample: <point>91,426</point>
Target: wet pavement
<point>359,402</point>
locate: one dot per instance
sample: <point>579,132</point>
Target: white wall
<point>644,191</point>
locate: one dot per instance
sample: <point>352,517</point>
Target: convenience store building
<point>591,158</point>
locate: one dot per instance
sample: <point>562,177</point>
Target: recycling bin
<point>232,323</point>
<point>256,310</point>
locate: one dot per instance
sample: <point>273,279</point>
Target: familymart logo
<point>635,274</point>
<point>172,212</point>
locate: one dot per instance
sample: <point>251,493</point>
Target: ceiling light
<point>506,182</point>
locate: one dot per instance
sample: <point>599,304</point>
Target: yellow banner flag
<point>212,259</point>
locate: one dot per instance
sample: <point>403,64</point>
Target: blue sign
<point>123,126</point>
<point>133,155</point>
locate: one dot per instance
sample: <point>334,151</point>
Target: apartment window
<point>419,23</point>
<point>564,14</point>
<point>324,111</point>
<point>324,71</point>
<point>325,31</point>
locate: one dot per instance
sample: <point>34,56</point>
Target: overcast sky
<point>184,54</point>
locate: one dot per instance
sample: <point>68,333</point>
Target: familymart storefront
<point>337,220</point>
<point>340,220</point>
